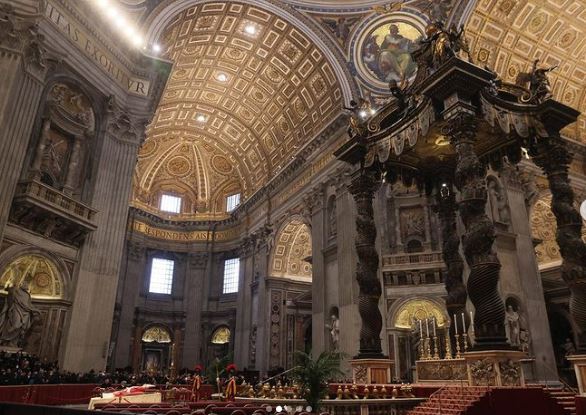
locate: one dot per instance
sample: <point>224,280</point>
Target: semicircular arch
<point>292,251</point>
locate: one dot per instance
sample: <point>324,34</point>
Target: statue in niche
<point>513,327</point>
<point>525,339</point>
<point>332,220</point>
<point>17,316</point>
<point>334,328</point>
<point>498,202</point>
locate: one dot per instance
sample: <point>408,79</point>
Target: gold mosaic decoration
<point>221,335</point>
<point>508,35</point>
<point>36,273</point>
<point>280,91</point>
<point>156,334</point>
<point>544,228</point>
<point>418,309</point>
<point>293,246</point>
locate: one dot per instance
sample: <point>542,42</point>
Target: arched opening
<point>40,282</point>
<point>157,346</point>
<point>291,257</point>
<point>409,321</point>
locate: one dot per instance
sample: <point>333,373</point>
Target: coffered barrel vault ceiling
<point>211,137</point>
<point>508,35</point>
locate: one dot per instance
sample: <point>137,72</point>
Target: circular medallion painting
<point>384,54</point>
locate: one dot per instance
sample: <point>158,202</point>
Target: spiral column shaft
<point>362,188</point>
<point>552,156</point>
<point>457,295</point>
<point>470,179</point>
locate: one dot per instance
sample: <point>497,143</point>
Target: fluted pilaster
<point>362,188</point>
<point>552,156</point>
<point>480,234</point>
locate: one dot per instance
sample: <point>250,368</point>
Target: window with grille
<point>231,271</point>
<point>161,276</point>
<point>232,201</point>
<point>170,204</point>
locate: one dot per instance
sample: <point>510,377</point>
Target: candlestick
<point>455,324</point>
<point>427,349</point>
<point>427,327</point>
<point>448,346</point>
<point>433,325</point>
<point>420,329</point>
<point>435,349</point>
<point>463,323</point>
<point>458,356</point>
<point>465,340</point>
<point>471,320</point>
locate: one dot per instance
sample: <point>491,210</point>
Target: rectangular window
<point>161,276</point>
<point>231,271</point>
<point>232,201</point>
<point>170,204</point>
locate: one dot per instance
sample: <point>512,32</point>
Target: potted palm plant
<point>312,375</point>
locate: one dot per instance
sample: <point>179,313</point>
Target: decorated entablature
<point>441,132</point>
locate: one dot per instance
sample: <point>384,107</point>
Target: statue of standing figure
<point>334,327</point>
<point>513,327</point>
<point>17,316</point>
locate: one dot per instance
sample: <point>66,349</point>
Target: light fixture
<point>137,41</point>
<point>362,114</point>
<point>200,118</point>
<point>222,77</point>
<point>583,210</point>
<point>372,111</point>
<point>119,21</point>
<point>112,12</point>
<point>279,408</point>
<point>250,29</point>
<point>156,48</point>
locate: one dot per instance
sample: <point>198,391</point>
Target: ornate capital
<point>136,250</point>
<point>198,259</point>
<point>20,33</point>
<point>123,126</point>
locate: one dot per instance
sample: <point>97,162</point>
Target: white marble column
<point>95,286</point>
<point>196,273</point>
<point>23,70</point>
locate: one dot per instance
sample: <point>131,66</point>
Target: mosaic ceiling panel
<point>508,35</point>
<point>246,91</point>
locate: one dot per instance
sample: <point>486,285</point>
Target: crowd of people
<point>25,369</point>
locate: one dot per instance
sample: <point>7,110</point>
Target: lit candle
<point>420,329</point>
<point>455,324</point>
<point>427,327</point>
<point>433,325</point>
<point>463,323</point>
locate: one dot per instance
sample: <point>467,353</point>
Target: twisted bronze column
<point>552,156</point>
<point>470,179</point>
<point>362,188</point>
<point>457,295</point>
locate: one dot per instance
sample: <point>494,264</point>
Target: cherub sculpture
<point>539,86</point>
<point>360,111</point>
<point>445,43</point>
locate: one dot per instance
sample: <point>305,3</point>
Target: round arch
<point>404,314</point>
<point>291,250</point>
<point>52,281</point>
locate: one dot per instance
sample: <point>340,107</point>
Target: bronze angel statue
<point>539,86</point>
<point>445,43</point>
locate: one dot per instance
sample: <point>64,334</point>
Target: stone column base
<point>369,371</point>
<point>579,362</point>
<point>495,368</point>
